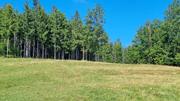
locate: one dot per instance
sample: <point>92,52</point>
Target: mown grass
<point>50,80</point>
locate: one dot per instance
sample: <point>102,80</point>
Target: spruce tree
<point>77,35</point>
<point>117,52</point>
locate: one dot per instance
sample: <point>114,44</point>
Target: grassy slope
<point>49,80</point>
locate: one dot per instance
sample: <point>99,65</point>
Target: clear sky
<point>123,17</point>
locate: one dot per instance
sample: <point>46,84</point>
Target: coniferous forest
<point>35,33</point>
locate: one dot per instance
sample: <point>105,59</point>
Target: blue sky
<point>123,17</point>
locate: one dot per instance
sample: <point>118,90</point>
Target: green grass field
<point>50,80</point>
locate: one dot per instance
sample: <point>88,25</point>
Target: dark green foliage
<point>8,28</point>
<point>59,37</point>
<point>158,42</point>
<point>117,52</point>
<point>106,52</point>
<point>77,36</point>
<point>177,59</point>
<point>132,55</point>
<point>36,34</point>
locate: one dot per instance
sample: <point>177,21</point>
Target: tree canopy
<point>158,42</point>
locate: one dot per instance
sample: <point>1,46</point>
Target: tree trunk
<point>26,47</point>
<point>89,56</point>
<point>83,53</point>
<point>42,50</point>
<point>103,58</point>
<point>62,55</point>
<point>24,52</point>
<point>86,55</point>
<point>21,51</point>
<point>69,56</point>
<point>33,49</point>
<point>59,55</point>
<point>37,50</point>
<point>29,49</point>
<point>54,51</point>
<point>15,48</point>
<point>7,47</point>
<point>20,48</point>
<point>97,57</point>
<point>73,56</point>
<point>76,54</point>
<point>123,57</point>
<point>45,53</point>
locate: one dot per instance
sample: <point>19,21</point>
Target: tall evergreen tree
<point>9,24</point>
<point>28,30</point>
<point>42,29</point>
<point>94,30</point>
<point>117,52</point>
<point>77,32</point>
<point>58,29</point>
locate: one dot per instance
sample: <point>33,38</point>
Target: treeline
<point>36,34</point>
<point>158,42</point>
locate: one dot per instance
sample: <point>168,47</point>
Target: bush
<point>2,48</point>
<point>177,59</point>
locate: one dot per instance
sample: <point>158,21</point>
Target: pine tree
<point>106,51</point>
<point>117,52</point>
<point>94,30</point>
<point>59,32</point>
<point>42,30</point>
<point>2,45</point>
<point>77,36</point>
<point>28,29</point>
<point>37,21</point>
<point>8,25</point>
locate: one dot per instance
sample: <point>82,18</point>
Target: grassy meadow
<point>53,80</point>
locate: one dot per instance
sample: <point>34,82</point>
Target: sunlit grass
<point>53,80</point>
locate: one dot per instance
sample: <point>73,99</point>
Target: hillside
<point>53,80</point>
